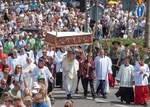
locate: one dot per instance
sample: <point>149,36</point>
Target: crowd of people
<point>31,69</point>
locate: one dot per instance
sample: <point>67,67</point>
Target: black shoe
<point>127,102</point>
<point>145,104</point>
<point>85,97</point>
<point>104,96</point>
<point>93,97</point>
<point>68,96</point>
<point>97,94</point>
<point>76,92</point>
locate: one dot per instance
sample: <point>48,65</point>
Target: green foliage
<point>139,43</point>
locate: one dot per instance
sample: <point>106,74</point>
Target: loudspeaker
<point>82,5</point>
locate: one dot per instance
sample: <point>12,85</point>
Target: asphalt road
<point>79,101</point>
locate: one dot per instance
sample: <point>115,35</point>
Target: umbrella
<point>112,2</point>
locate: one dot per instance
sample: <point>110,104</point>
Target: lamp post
<point>147,26</point>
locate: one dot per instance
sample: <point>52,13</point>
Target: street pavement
<point>79,101</point>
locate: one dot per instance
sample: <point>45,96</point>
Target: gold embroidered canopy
<point>60,39</point>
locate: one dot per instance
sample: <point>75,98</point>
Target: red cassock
<point>91,69</point>
<point>141,94</point>
<point>49,67</point>
<point>80,60</point>
<point>111,80</point>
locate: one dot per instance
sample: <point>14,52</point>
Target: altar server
<point>141,74</point>
<point>60,55</point>
<point>103,68</point>
<point>40,69</point>
<point>14,60</point>
<point>125,78</point>
<point>70,67</point>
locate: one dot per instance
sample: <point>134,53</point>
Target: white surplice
<point>125,76</point>
<point>12,62</point>
<point>23,59</point>
<point>41,71</point>
<point>140,79</point>
<point>58,59</point>
<point>26,68</point>
<point>102,68</point>
<point>70,75</point>
<point>31,55</point>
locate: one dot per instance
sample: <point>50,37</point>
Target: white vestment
<point>12,62</point>
<point>26,69</point>
<point>23,59</point>
<point>102,68</point>
<point>125,76</point>
<point>140,79</point>
<point>31,55</point>
<point>59,58</point>
<point>70,75</point>
<point>44,71</point>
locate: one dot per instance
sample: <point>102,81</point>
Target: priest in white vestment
<point>14,60</point>
<point>126,79</point>
<point>27,71</point>
<point>70,67</point>
<point>103,68</point>
<point>141,74</point>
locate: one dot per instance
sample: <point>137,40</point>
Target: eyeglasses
<point>51,59</point>
<point>18,67</point>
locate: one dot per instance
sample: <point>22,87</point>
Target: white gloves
<point>52,66</point>
<point>89,64</point>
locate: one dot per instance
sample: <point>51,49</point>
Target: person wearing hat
<point>70,66</point>
<point>88,75</point>
<point>124,54</point>
<point>8,46</point>
<point>20,42</point>
<point>41,81</point>
<point>114,55</point>
<point>28,101</point>
<point>31,41</point>
<point>41,69</point>
<point>141,75</point>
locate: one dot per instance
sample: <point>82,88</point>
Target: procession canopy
<point>61,39</point>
